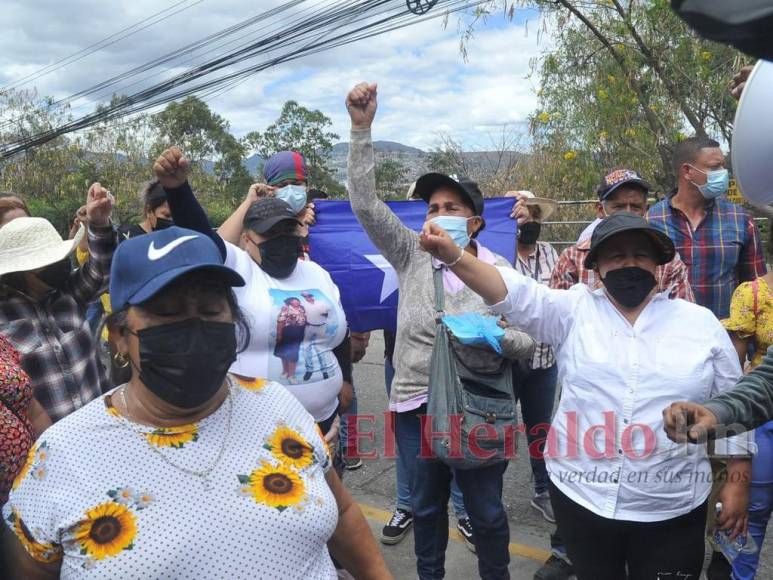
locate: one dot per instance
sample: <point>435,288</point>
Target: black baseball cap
<point>265,213</point>
<point>614,179</point>
<point>625,221</point>
<point>471,194</point>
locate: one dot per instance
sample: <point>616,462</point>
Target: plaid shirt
<point>59,351</point>
<point>539,266</point>
<point>570,270</point>
<point>723,251</point>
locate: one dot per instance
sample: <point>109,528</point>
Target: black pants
<point>603,549</point>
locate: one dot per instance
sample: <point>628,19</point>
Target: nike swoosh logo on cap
<point>158,253</point>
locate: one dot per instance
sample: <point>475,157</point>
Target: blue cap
<point>145,265</point>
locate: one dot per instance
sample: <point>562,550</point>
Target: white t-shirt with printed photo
<point>305,311</point>
<point>97,496</point>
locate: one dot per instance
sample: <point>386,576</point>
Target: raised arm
<point>480,277</point>
<point>91,279</point>
<point>543,313</point>
<point>395,241</point>
<point>171,169</point>
<point>232,228</point>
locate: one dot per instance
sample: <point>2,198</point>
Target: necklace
<point>204,474</point>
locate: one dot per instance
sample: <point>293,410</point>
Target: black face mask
<point>528,233</point>
<point>56,275</point>
<point>629,286</point>
<point>185,363</point>
<point>162,224</point>
<point>279,256</point>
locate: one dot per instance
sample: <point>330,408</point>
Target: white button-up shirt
<point>606,449</point>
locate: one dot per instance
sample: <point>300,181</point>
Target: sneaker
<point>465,530</point>
<point>541,503</point>
<point>398,526</point>
<point>307,376</point>
<point>554,569</point>
<point>352,463</point>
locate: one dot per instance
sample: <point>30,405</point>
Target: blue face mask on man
<point>293,195</point>
<point>717,182</point>
<point>455,227</point>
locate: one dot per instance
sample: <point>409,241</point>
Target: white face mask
<point>293,195</point>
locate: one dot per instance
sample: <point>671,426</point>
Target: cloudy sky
<point>425,87</point>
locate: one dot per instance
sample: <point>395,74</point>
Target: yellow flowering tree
<point>618,84</point>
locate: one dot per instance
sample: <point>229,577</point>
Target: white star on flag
<point>389,285</point>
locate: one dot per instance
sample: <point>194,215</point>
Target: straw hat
<point>30,243</point>
<point>547,206</point>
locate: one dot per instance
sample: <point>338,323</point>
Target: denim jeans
<point>346,427</point>
<point>482,491</point>
<point>403,481</point>
<point>760,501</point>
<point>408,436</point>
<point>536,391</point>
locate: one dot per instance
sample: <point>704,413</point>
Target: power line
<point>105,42</point>
<point>326,25</point>
<point>170,58</point>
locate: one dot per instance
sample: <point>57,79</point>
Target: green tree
<point>54,178</point>
<point>205,138</point>
<point>303,130</point>
<point>390,178</point>
<point>621,83</point>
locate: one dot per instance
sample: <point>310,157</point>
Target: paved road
<point>373,486</point>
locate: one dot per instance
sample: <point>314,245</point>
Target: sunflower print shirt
<point>97,496</point>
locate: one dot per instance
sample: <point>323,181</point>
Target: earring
<point>121,360</point>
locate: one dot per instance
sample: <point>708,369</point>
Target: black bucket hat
<point>625,221</point>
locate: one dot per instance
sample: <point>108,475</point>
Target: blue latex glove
<point>475,329</point>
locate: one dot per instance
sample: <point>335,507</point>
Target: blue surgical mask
<point>717,182</point>
<point>293,195</point>
<point>455,226</point>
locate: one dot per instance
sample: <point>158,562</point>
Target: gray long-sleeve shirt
<point>750,402</point>
<point>415,310</point>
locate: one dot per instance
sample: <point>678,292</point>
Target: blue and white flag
<point>367,282</point>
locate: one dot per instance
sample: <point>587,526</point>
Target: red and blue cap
<point>619,177</point>
<point>145,265</point>
<point>285,166</point>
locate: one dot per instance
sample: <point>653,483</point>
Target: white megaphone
<point>752,143</point>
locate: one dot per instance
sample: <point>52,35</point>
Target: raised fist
<point>361,102</point>
<point>259,191</point>
<point>99,205</point>
<point>171,168</point>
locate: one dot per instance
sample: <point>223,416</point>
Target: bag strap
<point>756,291</point>
<point>440,298</point>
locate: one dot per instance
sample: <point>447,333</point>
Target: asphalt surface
<point>373,486</point>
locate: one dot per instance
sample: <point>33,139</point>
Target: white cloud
<point>424,86</point>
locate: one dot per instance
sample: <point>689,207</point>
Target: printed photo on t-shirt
<point>306,324</point>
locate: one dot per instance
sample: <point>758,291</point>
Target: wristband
<point>455,262</point>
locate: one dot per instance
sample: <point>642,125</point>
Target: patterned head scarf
<point>285,165</point>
